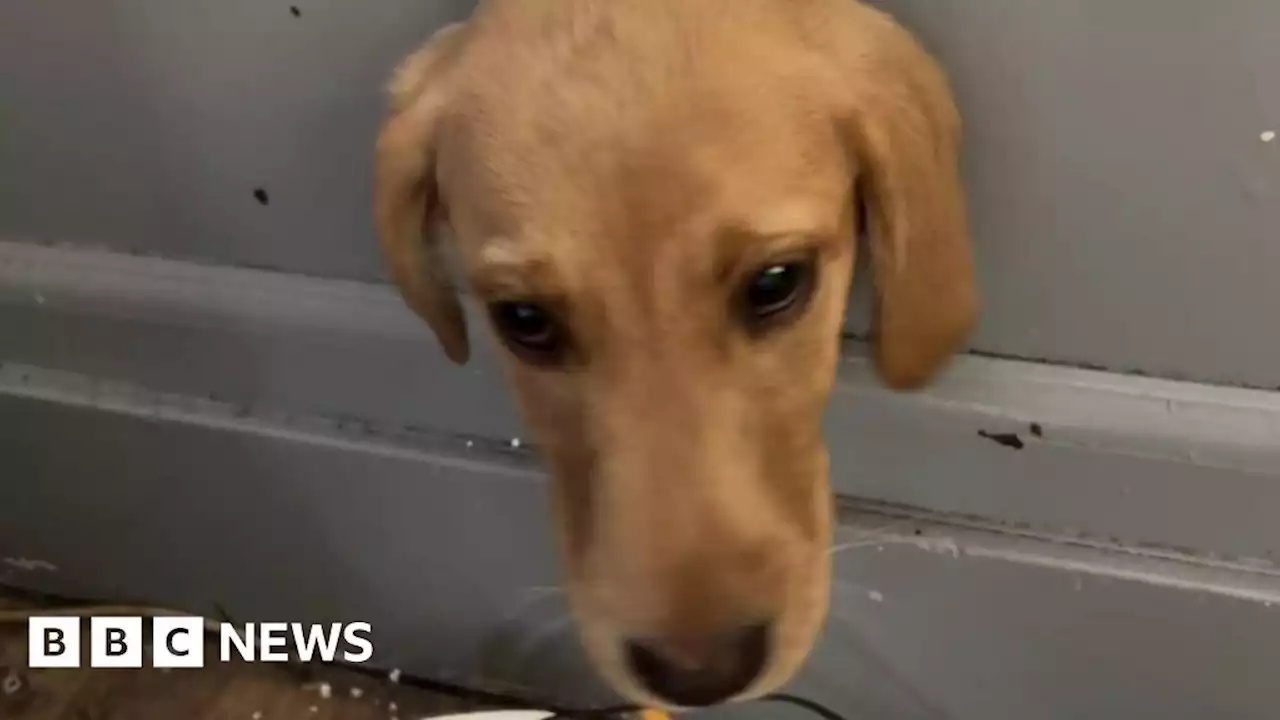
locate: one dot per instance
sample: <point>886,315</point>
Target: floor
<point>215,692</point>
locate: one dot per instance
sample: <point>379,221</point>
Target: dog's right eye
<point>777,293</point>
<point>530,331</point>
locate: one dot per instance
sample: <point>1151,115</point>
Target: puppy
<point>655,201</point>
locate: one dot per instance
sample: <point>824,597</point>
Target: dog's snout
<point>700,671</point>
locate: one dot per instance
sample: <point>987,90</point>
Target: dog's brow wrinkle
<point>505,254</point>
<point>794,218</point>
<point>504,266</point>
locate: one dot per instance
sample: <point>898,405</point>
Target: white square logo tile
<point>53,642</point>
<point>115,642</point>
<point>177,642</point>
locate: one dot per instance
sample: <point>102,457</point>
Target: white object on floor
<point>499,715</point>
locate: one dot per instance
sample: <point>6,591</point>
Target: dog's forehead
<point>605,157</point>
<point>619,151</point>
<point>567,100</point>
<point>590,204</point>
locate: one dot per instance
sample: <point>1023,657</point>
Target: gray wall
<point>1113,147</point>
<point>187,371</point>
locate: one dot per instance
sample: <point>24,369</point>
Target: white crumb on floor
<point>392,706</point>
<point>876,596</point>
<point>939,545</point>
<point>1268,136</point>
<point>470,443</point>
<point>515,442</point>
<point>313,709</point>
<point>326,690</point>
<point>257,715</point>
<point>394,675</point>
<point>356,692</point>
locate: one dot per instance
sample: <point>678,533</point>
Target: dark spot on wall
<point>1037,430</point>
<point>261,196</point>
<point>293,10</point>
<point>1009,440</point>
<point>918,532</point>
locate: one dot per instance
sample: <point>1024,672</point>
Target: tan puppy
<point>655,199</point>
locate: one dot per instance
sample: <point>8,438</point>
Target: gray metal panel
<point>147,126</point>
<point>192,516</point>
<point>183,504</point>
<point>1126,211</point>
<point>1124,205</point>
<point>1150,461</point>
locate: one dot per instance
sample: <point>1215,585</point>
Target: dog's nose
<point>700,671</point>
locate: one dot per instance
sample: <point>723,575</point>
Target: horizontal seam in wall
<point>37,269</point>
<point>329,431</point>
<point>501,459</point>
<point>1014,403</point>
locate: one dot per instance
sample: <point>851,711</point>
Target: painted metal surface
<point>1125,205</point>
<point>288,518</point>
<point>287,441</point>
<point>1124,201</point>
<point>1073,452</point>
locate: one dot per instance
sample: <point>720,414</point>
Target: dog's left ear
<point>406,200</point>
<point>900,124</point>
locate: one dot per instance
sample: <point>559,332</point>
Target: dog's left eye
<point>529,330</point>
<point>775,292</point>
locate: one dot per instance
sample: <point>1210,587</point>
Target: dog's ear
<point>406,201</point>
<point>903,129</point>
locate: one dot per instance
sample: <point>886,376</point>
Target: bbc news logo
<point>179,642</point>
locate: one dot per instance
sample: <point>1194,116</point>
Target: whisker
<point>837,549</point>
<point>509,626</point>
<point>861,532</point>
<point>529,598</point>
<point>861,646</point>
<point>877,542</point>
<point>538,637</point>
<point>852,619</point>
<point>850,589</point>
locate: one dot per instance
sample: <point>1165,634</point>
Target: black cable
<point>453,690</point>
<point>812,706</point>
<point>492,698</point>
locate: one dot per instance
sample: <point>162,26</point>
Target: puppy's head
<point>654,199</point>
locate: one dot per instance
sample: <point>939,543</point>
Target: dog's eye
<point>530,330</point>
<point>775,292</point>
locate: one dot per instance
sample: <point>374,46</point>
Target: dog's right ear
<point>901,123</point>
<point>406,199</point>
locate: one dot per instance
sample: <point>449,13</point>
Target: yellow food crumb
<point>654,715</point>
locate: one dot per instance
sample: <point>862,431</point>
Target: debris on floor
<point>257,691</point>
